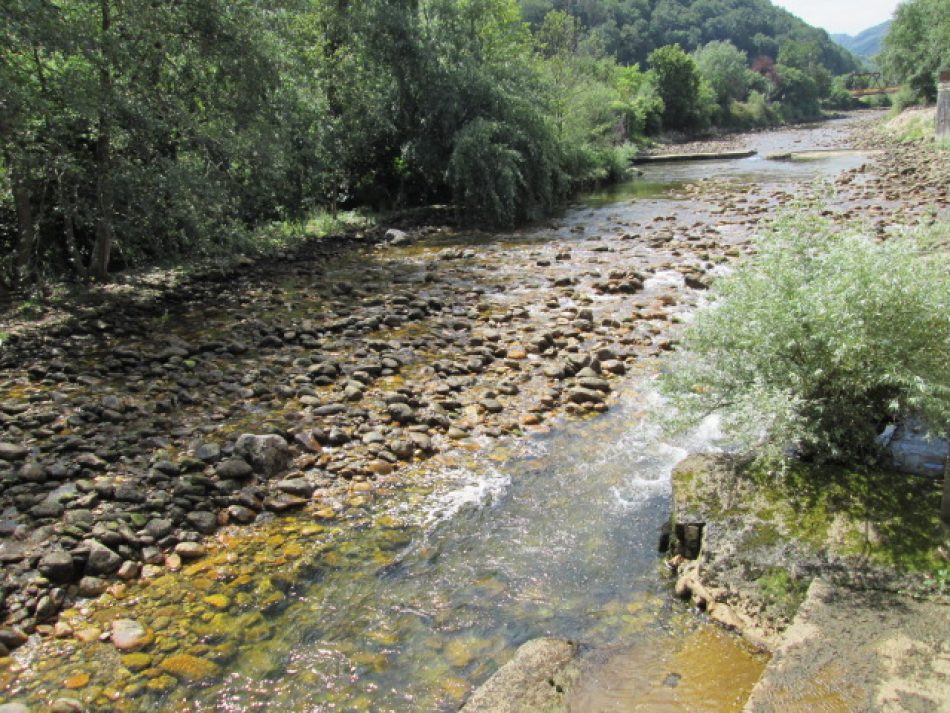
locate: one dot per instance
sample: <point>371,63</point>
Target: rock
<point>92,586</point>
<point>66,705</point>
<point>136,661</point>
<point>12,451</point>
<point>241,514</point>
<point>284,502</point>
<point>492,405</point>
<point>208,452</point>
<point>45,609</point>
<point>401,412</point>
<point>32,472</point>
<point>57,566</point>
<point>268,454</point>
<point>527,682</point>
<point>396,237</point>
<point>129,493</point>
<point>189,668</point>
<point>203,521</point>
<point>159,528</point>
<point>129,570</point>
<point>190,550</point>
<point>13,708</point>
<point>101,560</point>
<point>581,395</point>
<point>296,486</point>
<point>234,469</point>
<point>12,637</point>
<point>129,635</point>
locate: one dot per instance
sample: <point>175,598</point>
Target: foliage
<point>917,46</point>
<point>725,68</point>
<point>680,85</point>
<point>815,343</point>
<point>798,94</point>
<point>631,29</point>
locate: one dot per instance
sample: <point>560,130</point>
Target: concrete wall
<point>943,106</point>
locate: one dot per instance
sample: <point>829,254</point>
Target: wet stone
<point>284,502</point>
<point>12,451</point>
<point>13,708</point>
<point>189,668</point>
<point>66,705</point>
<point>190,550</point>
<point>128,635</point>
<point>296,486</point>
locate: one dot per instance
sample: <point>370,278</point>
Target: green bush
<point>814,344</point>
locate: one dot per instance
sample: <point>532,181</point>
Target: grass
<point>890,519</point>
<point>782,591</point>
<point>289,234</point>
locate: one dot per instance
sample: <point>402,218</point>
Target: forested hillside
<point>135,132</point>
<point>631,29</point>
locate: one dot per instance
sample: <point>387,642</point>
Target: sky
<point>842,16</point>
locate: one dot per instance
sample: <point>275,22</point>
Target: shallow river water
<point>430,584</point>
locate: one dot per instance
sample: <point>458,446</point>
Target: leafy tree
<point>725,69</point>
<point>679,83</point>
<point>798,94</point>
<point>917,45</point>
<point>819,340</point>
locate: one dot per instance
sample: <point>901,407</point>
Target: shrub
<point>811,346</point>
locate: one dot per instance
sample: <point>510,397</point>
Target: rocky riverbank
<point>132,433</point>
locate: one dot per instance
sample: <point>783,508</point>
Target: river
<point>433,580</point>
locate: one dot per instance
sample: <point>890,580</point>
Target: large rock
<point>267,454</point>
<point>528,683</point>
<point>102,560</point>
<point>57,566</point>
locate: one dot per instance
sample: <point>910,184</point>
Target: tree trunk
<point>99,263</point>
<point>67,200</point>
<point>26,226</point>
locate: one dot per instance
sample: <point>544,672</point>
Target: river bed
<point>405,592</point>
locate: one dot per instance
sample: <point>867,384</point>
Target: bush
<point>813,345</point>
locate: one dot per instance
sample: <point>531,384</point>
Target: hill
<point>631,29</point>
<point>865,44</point>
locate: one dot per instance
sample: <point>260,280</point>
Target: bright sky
<point>843,16</point>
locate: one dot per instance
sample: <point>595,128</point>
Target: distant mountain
<point>867,43</point>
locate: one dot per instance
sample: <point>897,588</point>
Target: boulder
<point>268,454</point>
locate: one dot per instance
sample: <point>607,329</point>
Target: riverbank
<point>312,385</point>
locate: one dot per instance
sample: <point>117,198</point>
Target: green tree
<point>725,69</point>
<point>917,45</point>
<point>679,84</point>
<point>818,341</point>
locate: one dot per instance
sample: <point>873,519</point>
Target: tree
<point>678,82</point>
<point>917,46</point>
<point>814,344</point>
<point>725,68</point>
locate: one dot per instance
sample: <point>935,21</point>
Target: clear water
<point>428,588</point>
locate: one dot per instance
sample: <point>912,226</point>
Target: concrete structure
<point>943,106</point>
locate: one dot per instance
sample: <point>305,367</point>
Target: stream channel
<point>421,597</point>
